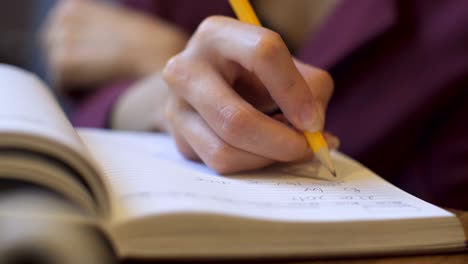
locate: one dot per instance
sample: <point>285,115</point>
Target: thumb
<point>319,82</point>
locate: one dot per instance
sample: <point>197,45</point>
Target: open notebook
<point>152,203</point>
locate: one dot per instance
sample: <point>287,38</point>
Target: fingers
<point>234,120</point>
<point>58,38</point>
<point>332,141</point>
<point>251,89</point>
<point>319,82</point>
<point>262,52</point>
<point>195,138</point>
<point>182,145</point>
<point>59,18</point>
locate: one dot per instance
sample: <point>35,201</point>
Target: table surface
<point>461,258</point>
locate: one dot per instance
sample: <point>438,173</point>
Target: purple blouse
<point>401,98</point>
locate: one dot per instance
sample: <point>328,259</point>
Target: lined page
<point>148,176</point>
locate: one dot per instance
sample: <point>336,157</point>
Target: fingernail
<point>312,118</point>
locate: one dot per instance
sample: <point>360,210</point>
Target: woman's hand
<point>222,84</point>
<point>88,42</point>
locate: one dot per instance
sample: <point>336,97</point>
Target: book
<point>38,226</point>
<point>152,203</point>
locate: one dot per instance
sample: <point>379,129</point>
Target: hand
<point>227,76</point>
<point>88,42</point>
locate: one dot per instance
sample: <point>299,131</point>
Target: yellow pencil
<point>317,144</point>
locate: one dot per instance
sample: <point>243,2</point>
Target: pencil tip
<point>324,157</point>
<point>332,171</point>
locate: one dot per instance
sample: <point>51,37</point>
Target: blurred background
<point>19,23</point>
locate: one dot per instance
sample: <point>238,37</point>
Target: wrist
<point>142,106</point>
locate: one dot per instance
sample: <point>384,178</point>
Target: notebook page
<point>28,107</point>
<point>148,176</point>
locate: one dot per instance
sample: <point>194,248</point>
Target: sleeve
<point>93,109</point>
<point>187,14</point>
<point>440,173</point>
